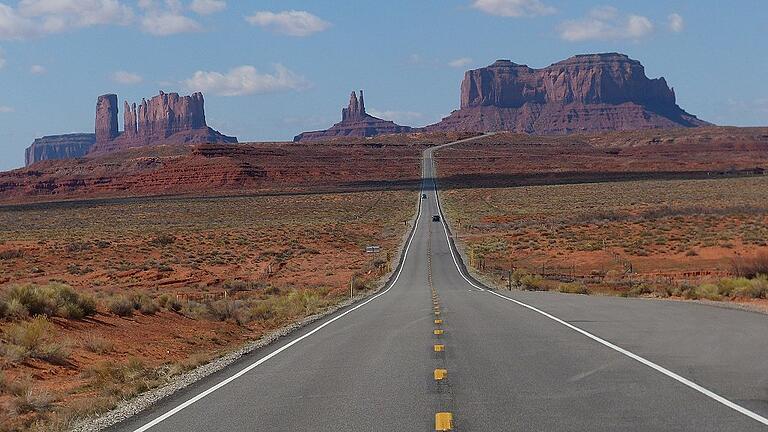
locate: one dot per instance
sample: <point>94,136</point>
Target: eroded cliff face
<point>165,119</point>
<point>55,147</point>
<point>591,92</point>
<point>355,122</point>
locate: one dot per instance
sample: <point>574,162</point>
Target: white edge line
<point>751,414</point>
<point>274,353</point>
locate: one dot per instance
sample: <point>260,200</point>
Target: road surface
<point>515,361</point>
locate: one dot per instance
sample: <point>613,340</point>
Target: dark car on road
<point>436,218</point>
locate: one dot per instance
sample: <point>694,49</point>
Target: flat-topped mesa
<point>354,122</point>
<point>54,147</point>
<point>589,92</point>
<point>164,119</point>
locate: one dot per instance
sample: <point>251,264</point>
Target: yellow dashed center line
<point>443,421</point>
<point>441,374</point>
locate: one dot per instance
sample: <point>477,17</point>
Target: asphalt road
<point>515,361</point>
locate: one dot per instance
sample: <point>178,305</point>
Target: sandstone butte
<point>355,122</point>
<point>585,93</point>
<point>165,119</point>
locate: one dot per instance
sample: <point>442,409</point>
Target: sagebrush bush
<point>121,306</point>
<point>744,287</point>
<point>97,345</point>
<point>11,254</point>
<point>750,267</point>
<point>573,288</point>
<point>36,338</point>
<point>32,401</point>
<point>533,283</point>
<point>50,300</point>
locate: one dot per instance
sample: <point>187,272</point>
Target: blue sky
<point>271,69</point>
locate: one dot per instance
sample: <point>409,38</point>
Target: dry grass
<point>34,339</point>
<point>173,282</point>
<point>656,238</point>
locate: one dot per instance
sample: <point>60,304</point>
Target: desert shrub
<point>639,290</point>
<point>241,285</point>
<point>97,345</point>
<point>533,283</point>
<point>517,276</point>
<point>743,287</point>
<point>163,240</point>
<point>49,300</point>
<point>223,310</point>
<point>148,306</point>
<point>174,305</point>
<point>750,267</point>
<point>272,290</point>
<point>194,310</point>
<point>14,387</point>
<point>36,338</point>
<point>706,291</point>
<point>32,401</point>
<point>78,247</point>
<point>121,306</point>
<point>261,311</point>
<point>122,380</point>
<point>573,288</point>
<point>11,254</point>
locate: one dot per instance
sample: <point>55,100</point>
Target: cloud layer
<point>606,23</point>
<point>245,80</point>
<point>36,18</point>
<point>513,8</point>
<point>291,23</point>
<point>207,7</point>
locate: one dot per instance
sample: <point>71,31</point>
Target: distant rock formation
<point>52,147</point>
<point>593,92</point>
<point>166,119</point>
<point>355,122</point>
<point>106,118</point>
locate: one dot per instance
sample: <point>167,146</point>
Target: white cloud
<point>606,23</point>
<point>6,109</point>
<point>34,18</point>
<point>14,26</point>
<point>399,117</point>
<point>37,70</point>
<point>245,80</point>
<point>127,78</point>
<point>165,24</point>
<point>207,7</point>
<point>513,8</point>
<point>459,62</point>
<point>166,18</point>
<point>676,22</point>
<point>291,23</point>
